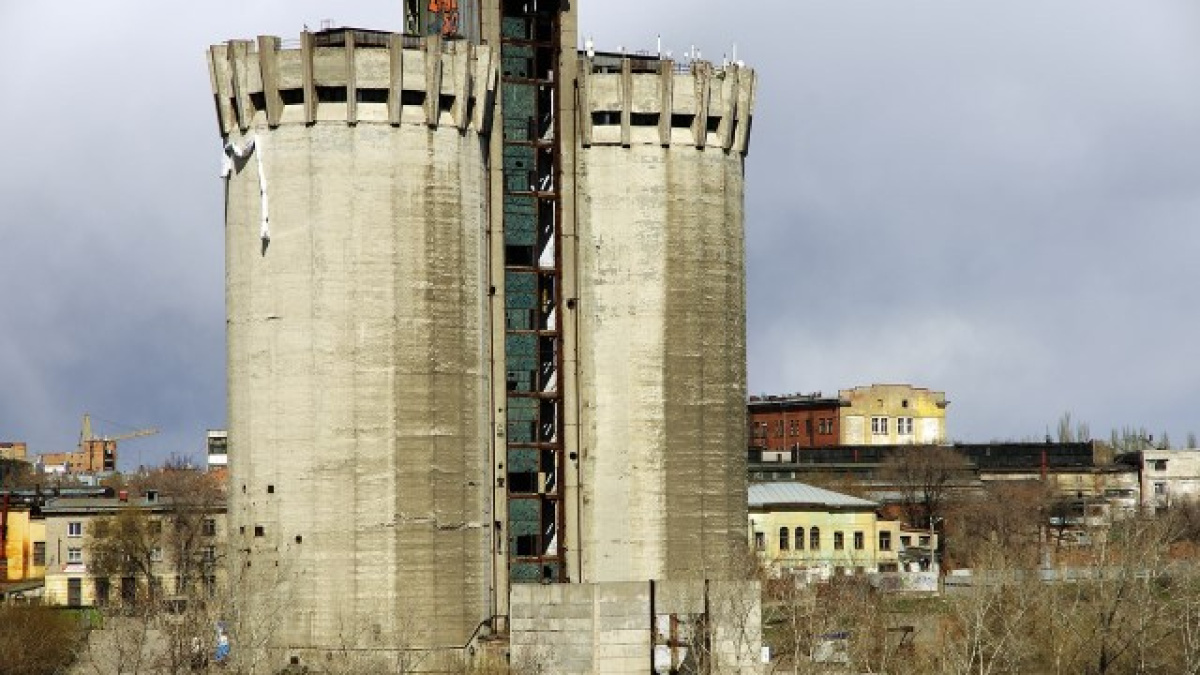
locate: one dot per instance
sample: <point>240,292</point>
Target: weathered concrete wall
<point>662,321</point>
<point>357,347</point>
<point>633,628</point>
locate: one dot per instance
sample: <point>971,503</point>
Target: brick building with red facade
<point>781,424</point>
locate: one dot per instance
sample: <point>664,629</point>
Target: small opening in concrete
<point>679,121</point>
<point>371,95</point>
<point>331,94</point>
<point>270,489</point>
<point>416,98</point>
<point>299,539</point>
<point>604,118</point>
<point>258,530</point>
<point>445,103</point>
<point>644,119</point>
<point>714,123</point>
<point>258,100</point>
<point>295,660</point>
<point>292,96</point>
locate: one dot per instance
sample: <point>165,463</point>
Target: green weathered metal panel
<point>522,460</point>
<point>520,206</point>
<point>520,432</point>
<point>524,344</point>
<point>524,301</point>
<point>525,573</point>
<point>516,129</point>
<point>520,282</point>
<point>514,66</point>
<point>525,511</point>
<point>518,319</point>
<point>520,101</point>
<point>516,28</point>
<point>522,408</point>
<point>520,220</point>
<point>519,158</point>
<point>522,51</point>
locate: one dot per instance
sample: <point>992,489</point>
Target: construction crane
<point>86,433</point>
<point>99,453</point>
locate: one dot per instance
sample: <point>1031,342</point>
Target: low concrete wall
<point>636,627</point>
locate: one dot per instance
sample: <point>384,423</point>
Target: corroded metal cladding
<point>358,374</point>
<point>662,334</point>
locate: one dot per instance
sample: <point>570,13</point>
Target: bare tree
<point>1079,432</point>
<point>924,476</point>
<point>169,534</point>
<point>1010,515</point>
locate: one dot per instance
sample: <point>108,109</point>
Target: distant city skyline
<point>997,202</point>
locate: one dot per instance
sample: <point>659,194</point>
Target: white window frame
<point>156,554</point>
<point>879,426</point>
<point>74,555</point>
<point>75,528</point>
<point>904,426</point>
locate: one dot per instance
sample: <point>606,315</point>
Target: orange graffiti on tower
<point>448,10</point>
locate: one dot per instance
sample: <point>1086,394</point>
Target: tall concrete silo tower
<point>486,324</point>
<point>357,335</point>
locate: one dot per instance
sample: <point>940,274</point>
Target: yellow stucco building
<point>72,582</point>
<point>803,529</point>
<point>892,414</point>
<point>25,546</point>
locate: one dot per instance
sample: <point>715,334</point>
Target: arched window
<point>799,538</point>
<point>783,539</point>
<point>814,539</point>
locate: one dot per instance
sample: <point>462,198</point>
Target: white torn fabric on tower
<point>264,230</point>
<point>232,151</point>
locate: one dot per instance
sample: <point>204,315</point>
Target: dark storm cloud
<point>994,199</point>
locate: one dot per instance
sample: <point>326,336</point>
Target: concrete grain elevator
<point>486,337</point>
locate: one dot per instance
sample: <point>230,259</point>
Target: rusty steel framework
<point>532,156</point>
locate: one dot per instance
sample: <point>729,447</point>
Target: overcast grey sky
<point>994,199</point>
